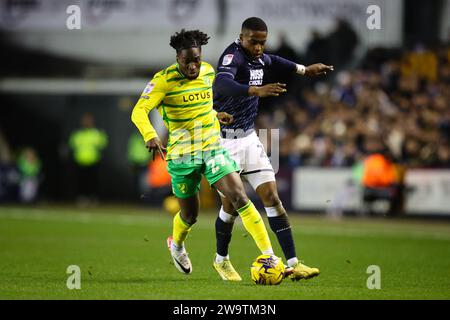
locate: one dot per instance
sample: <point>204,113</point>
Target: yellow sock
<point>180,229</point>
<point>254,224</point>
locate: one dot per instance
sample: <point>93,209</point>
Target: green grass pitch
<point>122,254</point>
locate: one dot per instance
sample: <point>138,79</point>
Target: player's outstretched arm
<point>287,66</point>
<point>152,96</point>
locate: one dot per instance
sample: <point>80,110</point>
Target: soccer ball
<point>267,270</point>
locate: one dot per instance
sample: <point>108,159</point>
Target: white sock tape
<point>275,211</point>
<point>226,217</point>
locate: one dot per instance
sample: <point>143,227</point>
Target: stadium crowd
<point>392,102</point>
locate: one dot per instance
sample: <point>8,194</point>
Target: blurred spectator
<point>345,155</point>
<point>29,167</point>
<point>381,182</point>
<point>9,177</point>
<point>138,159</point>
<point>158,177</point>
<point>442,159</point>
<point>87,144</point>
<point>317,48</point>
<point>158,181</point>
<point>341,43</point>
<point>284,49</point>
<point>421,62</point>
<point>344,90</point>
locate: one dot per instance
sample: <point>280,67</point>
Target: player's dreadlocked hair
<point>254,24</point>
<point>188,39</point>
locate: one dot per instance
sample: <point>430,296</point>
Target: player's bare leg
<point>280,225</point>
<point>182,223</point>
<point>232,188</point>
<point>189,208</point>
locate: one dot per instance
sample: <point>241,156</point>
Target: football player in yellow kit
<point>182,93</point>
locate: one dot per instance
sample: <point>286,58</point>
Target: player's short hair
<point>254,24</point>
<point>188,39</point>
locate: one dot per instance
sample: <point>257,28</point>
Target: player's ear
<point>240,37</point>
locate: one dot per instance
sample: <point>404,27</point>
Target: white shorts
<point>249,154</point>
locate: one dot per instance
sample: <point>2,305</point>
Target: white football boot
<point>180,257</point>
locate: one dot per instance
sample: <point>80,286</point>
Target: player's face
<point>189,61</point>
<point>253,42</point>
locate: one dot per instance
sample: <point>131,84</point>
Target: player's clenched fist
<point>155,145</point>
<point>269,90</point>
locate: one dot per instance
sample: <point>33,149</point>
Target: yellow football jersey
<point>186,107</point>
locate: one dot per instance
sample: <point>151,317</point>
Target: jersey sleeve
<point>151,98</point>
<point>281,64</point>
<point>228,64</point>
<point>227,68</point>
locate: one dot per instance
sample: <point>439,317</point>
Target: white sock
<point>226,217</point>
<point>176,247</point>
<point>220,258</point>
<point>292,262</point>
<point>275,211</point>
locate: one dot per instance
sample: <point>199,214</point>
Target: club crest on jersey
<point>227,59</point>
<point>256,77</point>
<point>148,88</point>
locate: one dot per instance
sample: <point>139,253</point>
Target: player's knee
<point>238,198</point>
<point>189,217</point>
<point>270,198</point>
